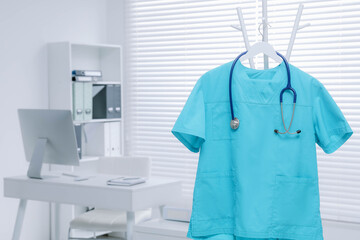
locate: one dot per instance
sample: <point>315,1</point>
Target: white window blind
<point>171,43</point>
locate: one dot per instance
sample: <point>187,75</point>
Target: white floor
<point>341,231</point>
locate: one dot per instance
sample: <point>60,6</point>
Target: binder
<point>117,100</point>
<point>110,113</point>
<point>82,101</point>
<point>87,93</point>
<point>78,101</point>
<point>98,140</point>
<point>106,101</point>
<point>99,101</point>
<point>103,139</point>
<point>107,139</point>
<point>78,134</point>
<point>114,136</point>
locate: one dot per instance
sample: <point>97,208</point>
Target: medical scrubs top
<point>252,183</point>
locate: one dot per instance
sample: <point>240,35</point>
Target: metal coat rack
<point>265,24</point>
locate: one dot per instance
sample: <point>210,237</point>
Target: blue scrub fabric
<point>252,183</point>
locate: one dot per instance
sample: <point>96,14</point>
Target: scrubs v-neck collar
<point>260,90</point>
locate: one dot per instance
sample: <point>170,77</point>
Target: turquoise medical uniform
<point>252,183</point>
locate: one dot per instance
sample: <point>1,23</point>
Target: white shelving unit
<point>98,121</point>
<point>98,134</point>
<point>63,57</point>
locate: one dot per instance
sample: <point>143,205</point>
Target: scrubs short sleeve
<point>189,128</point>
<point>331,128</point>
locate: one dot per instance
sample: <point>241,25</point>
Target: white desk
<point>93,192</point>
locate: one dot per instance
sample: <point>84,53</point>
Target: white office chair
<point>105,220</point>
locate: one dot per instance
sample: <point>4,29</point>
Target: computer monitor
<point>48,137</point>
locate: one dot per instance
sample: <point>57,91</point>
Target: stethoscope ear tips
<point>277,131</point>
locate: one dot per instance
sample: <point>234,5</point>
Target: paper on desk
<point>126,181</point>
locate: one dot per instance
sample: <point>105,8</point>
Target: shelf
<point>89,158</point>
<point>98,120</point>
<point>100,82</point>
<point>105,83</point>
<point>99,137</point>
<point>97,45</point>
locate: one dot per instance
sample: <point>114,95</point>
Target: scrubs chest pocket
<point>295,201</point>
<point>220,121</point>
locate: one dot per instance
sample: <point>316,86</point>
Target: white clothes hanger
<point>264,47</point>
<point>261,47</point>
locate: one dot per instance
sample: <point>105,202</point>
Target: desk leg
<point>19,219</point>
<point>55,221</point>
<point>130,222</point>
<point>161,210</point>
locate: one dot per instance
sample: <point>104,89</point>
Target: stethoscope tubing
<point>235,121</point>
<point>230,82</point>
<point>288,86</point>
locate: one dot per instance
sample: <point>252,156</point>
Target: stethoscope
<point>235,121</point>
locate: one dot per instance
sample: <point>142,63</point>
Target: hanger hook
<point>260,26</point>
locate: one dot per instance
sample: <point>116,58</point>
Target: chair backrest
<point>128,166</point>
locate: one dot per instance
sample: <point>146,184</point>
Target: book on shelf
<point>89,73</point>
<point>86,78</point>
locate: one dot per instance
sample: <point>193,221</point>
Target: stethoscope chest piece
<point>234,124</point>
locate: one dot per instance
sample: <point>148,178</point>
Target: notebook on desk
<point>126,181</point>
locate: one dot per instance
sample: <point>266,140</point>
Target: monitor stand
<point>37,158</point>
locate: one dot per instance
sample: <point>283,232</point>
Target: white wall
<point>25,28</point>
<point>115,22</point>
<point>116,35</point>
